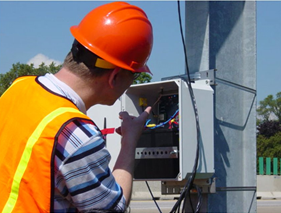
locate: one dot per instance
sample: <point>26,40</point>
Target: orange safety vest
<point>31,118</point>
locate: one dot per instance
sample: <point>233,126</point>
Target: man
<point>53,157</point>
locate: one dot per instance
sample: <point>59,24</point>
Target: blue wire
<point>147,122</point>
<point>161,124</point>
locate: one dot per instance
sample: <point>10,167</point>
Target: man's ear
<point>112,77</point>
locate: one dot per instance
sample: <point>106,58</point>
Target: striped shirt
<point>83,180</point>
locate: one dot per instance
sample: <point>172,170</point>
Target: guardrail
<point>269,167</point>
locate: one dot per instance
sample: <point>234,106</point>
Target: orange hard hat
<point>119,33</point>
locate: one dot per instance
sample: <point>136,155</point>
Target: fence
<point>269,167</point>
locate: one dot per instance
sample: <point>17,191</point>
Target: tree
<point>270,106</point>
<point>19,69</point>
<point>269,147</point>
<point>143,78</point>
<point>269,128</point>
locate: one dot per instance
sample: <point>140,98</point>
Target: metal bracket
<point>176,187</point>
<point>156,152</point>
<point>207,75</point>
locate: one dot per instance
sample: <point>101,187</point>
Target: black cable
<point>183,42</point>
<point>153,198</point>
<point>199,192</point>
<point>190,202</point>
<point>186,190</point>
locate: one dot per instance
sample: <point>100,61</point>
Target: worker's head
<point>114,35</point>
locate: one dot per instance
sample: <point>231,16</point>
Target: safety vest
<point>31,117</point>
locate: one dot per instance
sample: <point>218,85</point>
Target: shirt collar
<point>57,86</point>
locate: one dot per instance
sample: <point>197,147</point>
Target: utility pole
<point>222,35</point>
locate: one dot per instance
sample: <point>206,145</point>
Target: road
<point>144,206</point>
<point>268,206</point>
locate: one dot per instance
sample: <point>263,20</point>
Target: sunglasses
<point>136,75</point>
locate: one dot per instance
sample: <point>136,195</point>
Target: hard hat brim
<point>145,69</point>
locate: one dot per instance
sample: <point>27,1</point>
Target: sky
<point>35,32</point>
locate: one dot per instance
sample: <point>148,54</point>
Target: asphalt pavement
<point>148,206</point>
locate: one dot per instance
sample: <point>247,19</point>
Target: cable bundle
<point>189,184</point>
<point>185,194</point>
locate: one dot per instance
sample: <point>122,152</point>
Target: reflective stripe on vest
<point>31,119</point>
<point>27,153</point>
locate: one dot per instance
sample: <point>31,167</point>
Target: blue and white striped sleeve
<point>83,179</point>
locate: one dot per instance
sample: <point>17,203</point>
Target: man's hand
<point>132,126</point>
<point>130,131</point>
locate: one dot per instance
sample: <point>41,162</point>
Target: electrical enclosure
<point>167,148</point>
